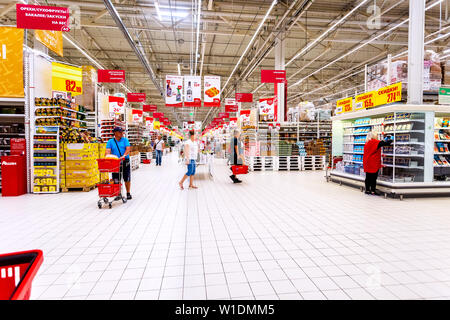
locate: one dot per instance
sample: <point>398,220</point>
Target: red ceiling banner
<point>111,76</point>
<point>158,115</point>
<point>42,17</point>
<point>136,97</point>
<point>244,97</point>
<point>273,76</point>
<point>224,115</point>
<point>149,108</point>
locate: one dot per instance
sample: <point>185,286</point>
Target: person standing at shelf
<point>190,156</point>
<point>120,147</point>
<point>236,154</point>
<point>159,148</point>
<point>372,160</point>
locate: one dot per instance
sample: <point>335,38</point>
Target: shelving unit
<point>134,133</point>
<point>107,126</point>
<point>409,164</point>
<point>91,123</point>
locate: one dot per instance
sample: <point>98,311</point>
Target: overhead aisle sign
<point>212,91</point>
<point>244,97</point>
<point>53,40</point>
<point>273,76</point>
<point>11,62</point>
<point>42,17</point>
<point>111,76</point>
<point>192,91</point>
<point>174,91</point>
<point>231,105</point>
<point>116,105</point>
<point>136,97</point>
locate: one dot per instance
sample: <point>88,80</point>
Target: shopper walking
<point>372,160</point>
<point>120,147</point>
<point>159,148</point>
<point>190,156</point>
<point>236,153</point>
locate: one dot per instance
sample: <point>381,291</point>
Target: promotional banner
<point>116,105</point>
<point>137,115</point>
<point>42,17</point>
<point>149,108</point>
<point>11,63</point>
<point>231,105</point>
<point>156,125</point>
<point>67,78</point>
<point>244,97</point>
<point>365,100</point>
<point>344,105</point>
<point>212,91</point>
<point>192,91</point>
<point>111,76</point>
<point>233,122</point>
<point>53,40</point>
<point>244,115</point>
<point>149,122</point>
<point>158,115</point>
<point>136,97</point>
<point>174,91</point>
<point>224,115</point>
<point>389,94</point>
<point>267,109</point>
<point>273,76</point>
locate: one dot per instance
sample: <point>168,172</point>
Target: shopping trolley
<point>17,271</point>
<point>114,190</point>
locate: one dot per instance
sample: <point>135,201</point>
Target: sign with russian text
<point>137,115</point>
<point>273,76</point>
<point>344,105</point>
<point>149,107</point>
<point>244,97</point>
<point>30,16</point>
<point>136,97</point>
<point>111,76</point>
<point>389,94</point>
<point>192,91</point>
<point>212,91</point>
<point>231,105</point>
<point>116,105</point>
<point>174,91</point>
<point>365,101</point>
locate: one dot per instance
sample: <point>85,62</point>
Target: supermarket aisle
<point>277,235</point>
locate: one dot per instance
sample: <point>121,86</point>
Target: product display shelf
<point>107,126</point>
<point>441,159</point>
<point>46,160</point>
<point>146,156</point>
<point>91,123</point>
<point>135,161</point>
<point>409,164</point>
<point>134,133</point>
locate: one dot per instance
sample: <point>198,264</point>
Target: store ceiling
<point>227,27</point>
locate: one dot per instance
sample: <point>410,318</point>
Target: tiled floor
<point>275,236</point>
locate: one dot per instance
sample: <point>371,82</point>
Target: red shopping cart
<point>239,169</point>
<point>113,190</point>
<point>17,271</point>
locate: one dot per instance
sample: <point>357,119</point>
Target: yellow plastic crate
<point>80,173</point>
<point>80,182</point>
<point>80,155</point>
<point>81,147</point>
<point>81,164</point>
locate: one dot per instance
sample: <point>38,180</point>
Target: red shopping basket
<point>17,271</point>
<point>146,161</point>
<point>108,190</point>
<point>240,169</point>
<point>108,165</point>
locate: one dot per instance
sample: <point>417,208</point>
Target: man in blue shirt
<point>121,147</point>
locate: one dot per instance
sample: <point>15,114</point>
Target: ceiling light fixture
<point>179,70</point>
<point>326,32</point>
<point>158,12</point>
<point>199,11</point>
<point>274,2</point>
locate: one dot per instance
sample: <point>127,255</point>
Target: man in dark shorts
<point>121,147</point>
<point>236,154</point>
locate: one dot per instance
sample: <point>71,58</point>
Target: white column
<point>416,51</point>
<point>280,65</point>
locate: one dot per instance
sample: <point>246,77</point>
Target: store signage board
<point>136,97</point>
<point>111,76</point>
<point>116,105</point>
<point>444,95</point>
<point>389,94</point>
<point>244,97</point>
<point>231,105</point>
<point>137,115</point>
<point>67,78</point>
<point>53,40</point>
<point>149,108</point>
<point>158,114</point>
<point>174,91</point>
<point>11,63</point>
<point>18,147</point>
<point>224,115</point>
<point>212,91</point>
<point>344,105</point>
<point>365,100</point>
<point>267,108</point>
<point>273,76</point>
<point>192,91</point>
<point>42,17</point>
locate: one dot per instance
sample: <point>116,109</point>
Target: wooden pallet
<point>84,189</point>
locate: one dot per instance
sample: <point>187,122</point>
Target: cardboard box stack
<point>446,72</point>
<point>315,148</point>
<point>80,167</point>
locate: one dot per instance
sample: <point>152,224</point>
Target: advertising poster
<point>192,91</point>
<point>174,91</point>
<point>149,122</point>
<point>267,109</point>
<point>116,105</point>
<point>53,40</point>
<point>231,105</point>
<point>212,91</point>
<point>11,63</point>
<point>137,115</point>
<point>244,116</point>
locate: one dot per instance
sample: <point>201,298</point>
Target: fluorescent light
<point>179,70</point>
<point>198,33</point>
<point>326,32</point>
<point>179,14</point>
<point>274,2</point>
<point>447,51</point>
<point>158,12</point>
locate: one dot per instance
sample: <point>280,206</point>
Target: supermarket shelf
<point>442,153</point>
<point>350,152</point>
<point>404,131</point>
<point>404,121</point>
<point>62,108</point>
<point>442,128</point>
<point>361,125</point>
<point>11,134</point>
<point>404,155</point>
<point>409,142</point>
<point>403,167</point>
<point>442,141</point>
<point>11,115</point>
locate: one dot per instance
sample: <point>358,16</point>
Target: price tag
<point>389,94</point>
<point>344,105</point>
<point>365,100</point>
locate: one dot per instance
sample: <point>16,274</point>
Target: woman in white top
<point>190,156</point>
